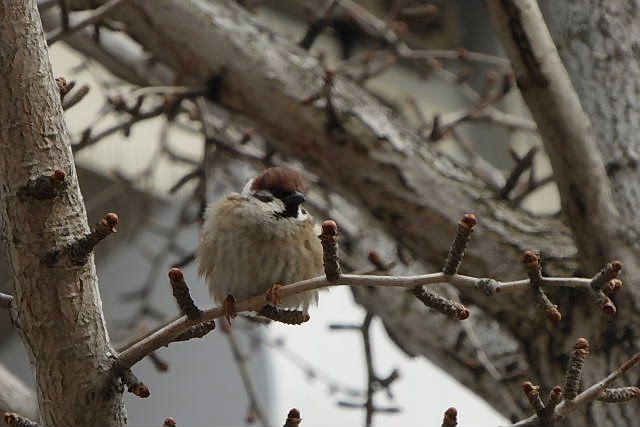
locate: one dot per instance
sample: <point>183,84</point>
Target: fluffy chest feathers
<point>246,249</point>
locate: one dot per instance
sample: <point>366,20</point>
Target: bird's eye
<point>263,196</point>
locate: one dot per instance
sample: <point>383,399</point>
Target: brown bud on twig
<point>181,294</point>
<point>574,371</point>
<point>619,395</point>
<point>14,420</point>
<point>64,87</point>
<point>169,422</point>
<point>80,250</point>
<point>289,317</point>
<point>456,252</point>
<point>555,397</point>
<point>609,272</point>
<point>612,286</point>
<point>196,331</point>
<point>443,305</point>
<point>293,418</point>
<point>531,262</point>
<point>603,301</point>
<point>533,395</point>
<point>329,241</point>
<point>548,417</point>
<point>134,385</point>
<point>45,187</point>
<point>450,418</point>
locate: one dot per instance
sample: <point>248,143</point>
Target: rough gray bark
<point>567,135</point>
<point>599,43</point>
<point>58,309</point>
<point>599,206</point>
<point>377,162</point>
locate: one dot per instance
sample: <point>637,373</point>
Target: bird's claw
<point>229,308</point>
<point>272,294</point>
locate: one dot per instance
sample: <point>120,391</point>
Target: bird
<point>257,240</point>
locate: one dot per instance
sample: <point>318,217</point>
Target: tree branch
<point>567,135</point>
<point>167,333</point>
<point>98,15</point>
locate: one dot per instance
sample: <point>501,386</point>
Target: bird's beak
<point>294,199</point>
<point>291,203</point>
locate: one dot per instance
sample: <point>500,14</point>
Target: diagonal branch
<point>98,15</point>
<point>565,129</point>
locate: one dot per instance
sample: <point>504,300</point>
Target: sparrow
<point>260,239</point>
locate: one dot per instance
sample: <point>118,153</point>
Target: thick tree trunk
<point>600,206</point>
<point>599,43</point>
<point>58,309</point>
<point>417,195</point>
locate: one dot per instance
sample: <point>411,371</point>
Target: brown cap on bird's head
<point>279,180</point>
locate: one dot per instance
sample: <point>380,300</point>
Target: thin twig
<point>64,14</point>
<point>374,383</point>
<point>521,167</point>
<point>165,333</point>
<point>371,377</point>
<point>241,363</point>
<point>589,395</point>
<point>95,17</point>
<point>316,26</point>
<point>306,367</point>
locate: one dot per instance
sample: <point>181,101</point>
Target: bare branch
<point>316,26</point>
<point>165,334</point>
<point>521,167</point>
<point>95,17</point>
<point>568,138</point>
<point>256,408</point>
<point>589,395</point>
<point>78,252</point>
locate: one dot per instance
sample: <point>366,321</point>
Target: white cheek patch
<point>303,215</point>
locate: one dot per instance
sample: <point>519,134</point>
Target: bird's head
<point>279,191</point>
